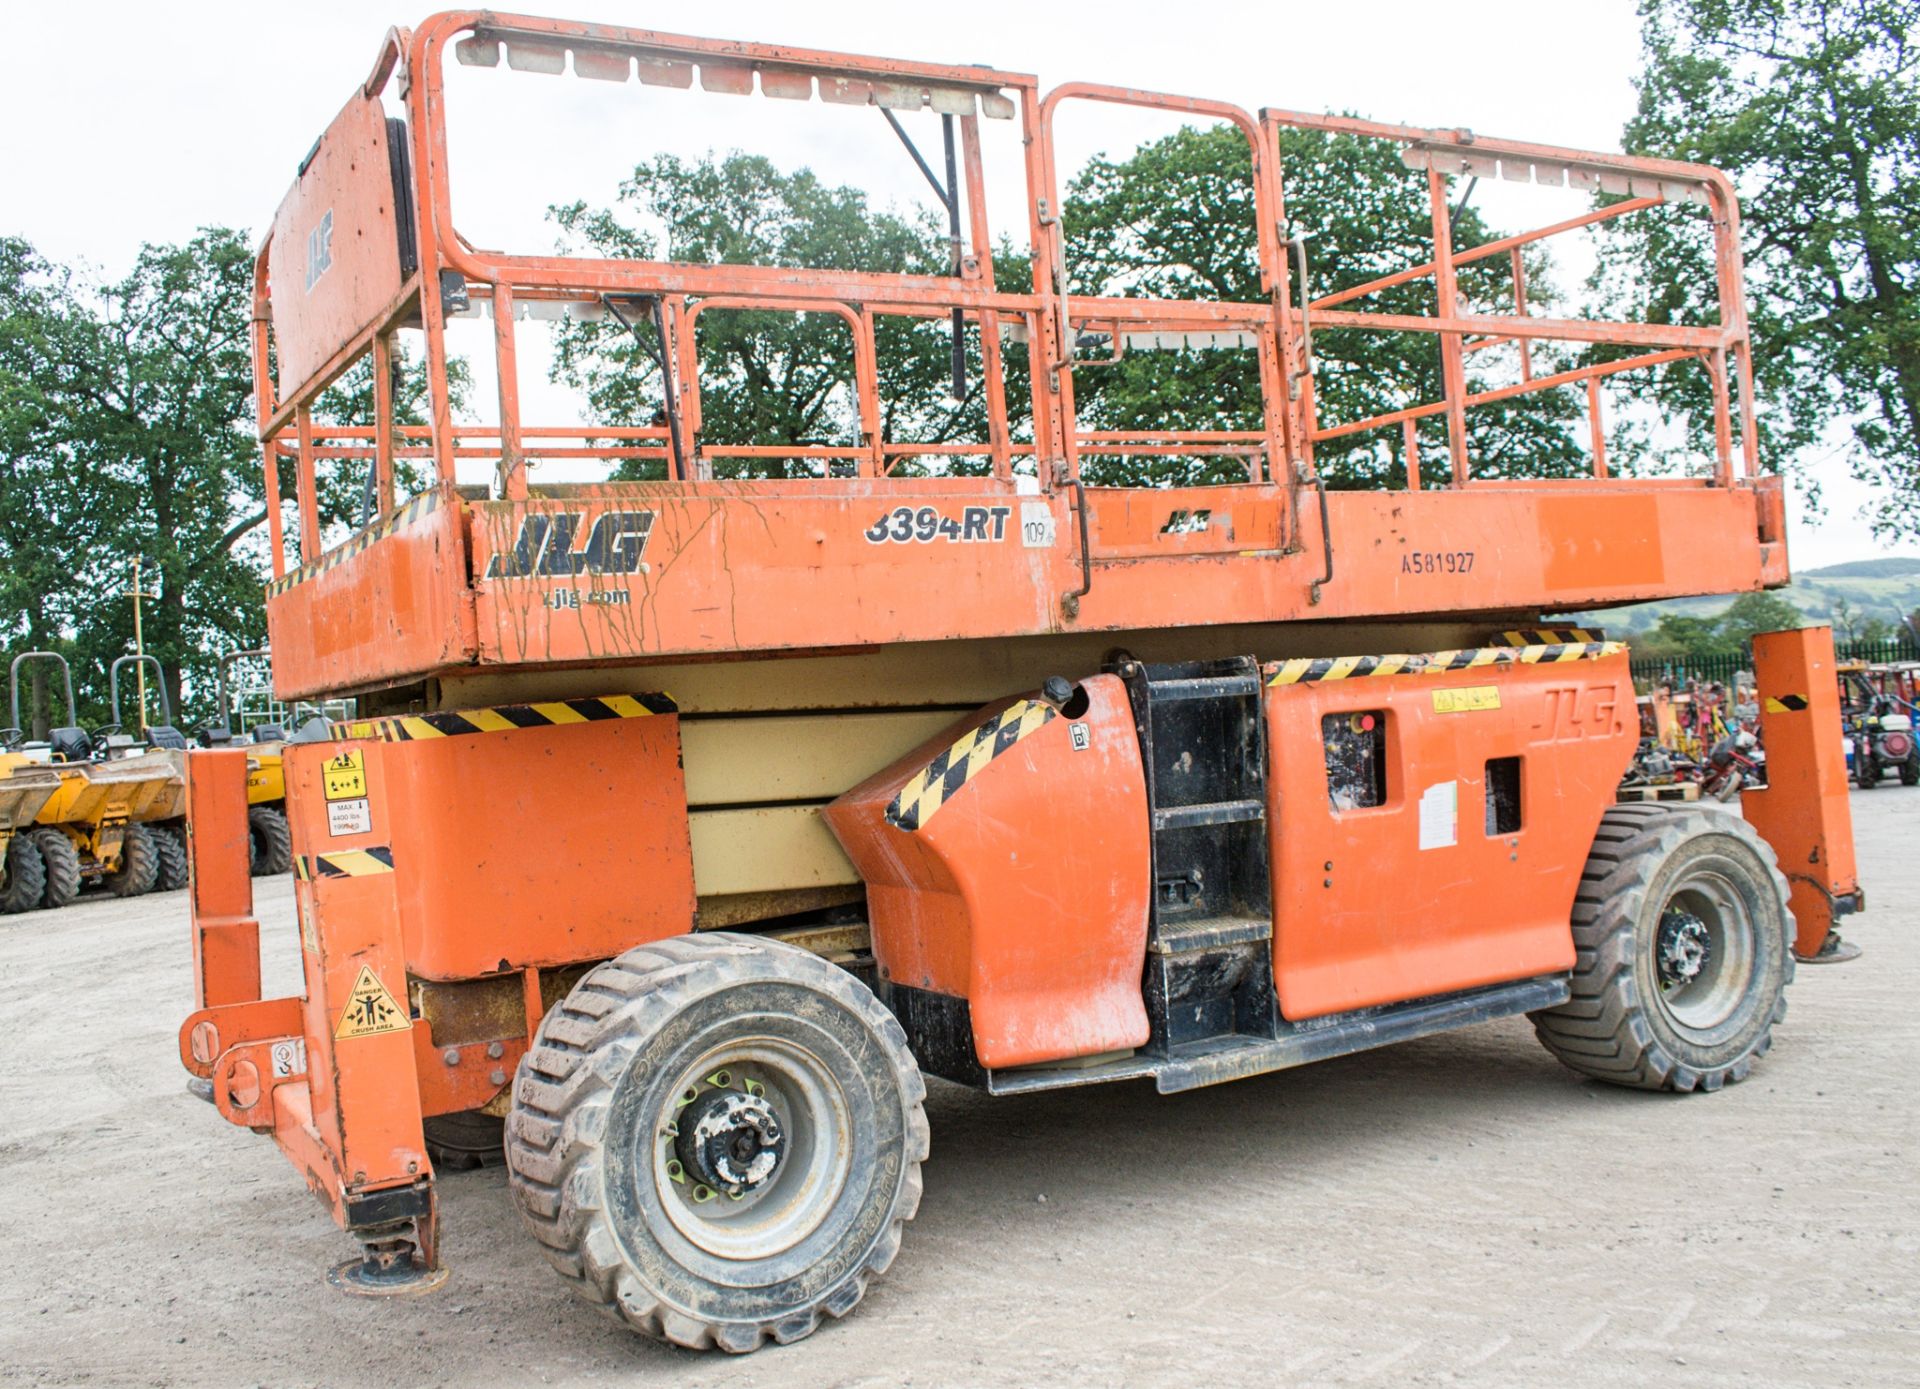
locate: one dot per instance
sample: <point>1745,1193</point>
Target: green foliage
<point>1678,635</point>
<point>767,378</point>
<point>1176,220</point>
<point>1813,107</point>
<point>128,412</point>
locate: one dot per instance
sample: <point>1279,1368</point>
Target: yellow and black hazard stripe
<point>1304,671</point>
<point>936,783</point>
<point>1550,636</point>
<point>343,863</point>
<point>501,718</point>
<point>397,519</point>
<point>1784,704</point>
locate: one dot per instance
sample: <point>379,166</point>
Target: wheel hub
<point>730,1140</point>
<point>1683,948</point>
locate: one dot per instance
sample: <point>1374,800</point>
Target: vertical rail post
<point>1520,311</point>
<point>383,422</point>
<point>1597,422</point>
<point>993,378</point>
<point>1410,437</point>
<point>1453,375</point>
<point>306,486</point>
<point>513,472</point>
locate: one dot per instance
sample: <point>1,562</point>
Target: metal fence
<point>1723,669</point>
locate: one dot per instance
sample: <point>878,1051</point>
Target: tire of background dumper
<point>270,847</point>
<point>1614,1028</point>
<point>63,866</point>
<point>598,1076</point>
<point>1910,770</point>
<point>466,1140</point>
<point>139,863</point>
<point>171,847</point>
<point>25,882</point>
<point>1866,770</point>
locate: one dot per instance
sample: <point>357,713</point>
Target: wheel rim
<point>752,1149</point>
<point>1703,951</point>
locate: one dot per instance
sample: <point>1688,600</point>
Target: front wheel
<point>718,1139</point>
<point>1866,770</point>
<point>1910,770</point>
<point>1684,950</point>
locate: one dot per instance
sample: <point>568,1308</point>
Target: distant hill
<point>1893,567</point>
<point>1888,589</point>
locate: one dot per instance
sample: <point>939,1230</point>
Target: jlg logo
<point>545,547</point>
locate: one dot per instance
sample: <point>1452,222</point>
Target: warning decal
<point>1471,700</point>
<point>344,778</point>
<point>370,1009</point>
<point>1786,704</point>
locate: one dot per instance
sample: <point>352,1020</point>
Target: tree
<point>1813,107</point>
<point>766,378</point>
<point>1176,220</point>
<point>127,429</point>
<point>1751,613</point>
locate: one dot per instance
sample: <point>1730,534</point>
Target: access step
<point>1209,933</point>
<point>1207,814</point>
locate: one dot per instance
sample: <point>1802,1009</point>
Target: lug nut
<point>451,1056</point>
<point>495,1051</point>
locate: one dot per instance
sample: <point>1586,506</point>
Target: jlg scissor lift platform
<point>692,820</point>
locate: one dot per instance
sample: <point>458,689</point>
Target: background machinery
<point>94,825</point>
<point>990,773</point>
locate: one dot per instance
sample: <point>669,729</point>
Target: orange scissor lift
<point>692,820</point>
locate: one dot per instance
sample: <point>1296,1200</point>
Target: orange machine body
<point>1014,876</point>
<point>1428,891</point>
<point>463,858</point>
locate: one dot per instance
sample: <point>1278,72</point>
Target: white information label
<point>1082,736</point>
<point>289,1058</point>
<point>349,817</point>
<point>1036,525</point>
<point>1440,815</point>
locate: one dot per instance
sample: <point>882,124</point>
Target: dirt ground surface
<point>1458,1210</point>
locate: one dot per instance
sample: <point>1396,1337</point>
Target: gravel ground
<point>1458,1210</point>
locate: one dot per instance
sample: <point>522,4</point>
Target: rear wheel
<point>718,1139</point>
<point>1910,770</point>
<point>1866,770</point>
<point>139,866</point>
<point>461,1142</point>
<point>171,847</point>
<point>270,842</point>
<point>63,866</point>
<point>24,883</point>
<point>1684,952</point>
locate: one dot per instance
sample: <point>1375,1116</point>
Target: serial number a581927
<point>1437,562</point>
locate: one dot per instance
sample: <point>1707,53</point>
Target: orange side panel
<point>334,261</point>
<point>392,610</point>
<point>523,847</point>
<point>1023,888</point>
<point>1414,896</point>
<point>640,569</point>
<point>1804,811</point>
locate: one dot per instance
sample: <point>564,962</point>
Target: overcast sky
<point>128,122</point>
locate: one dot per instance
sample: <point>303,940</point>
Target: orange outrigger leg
<point>1804,811</point>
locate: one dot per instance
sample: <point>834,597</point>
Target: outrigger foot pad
<point>386,1268</point>
<point>1832,951</point>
